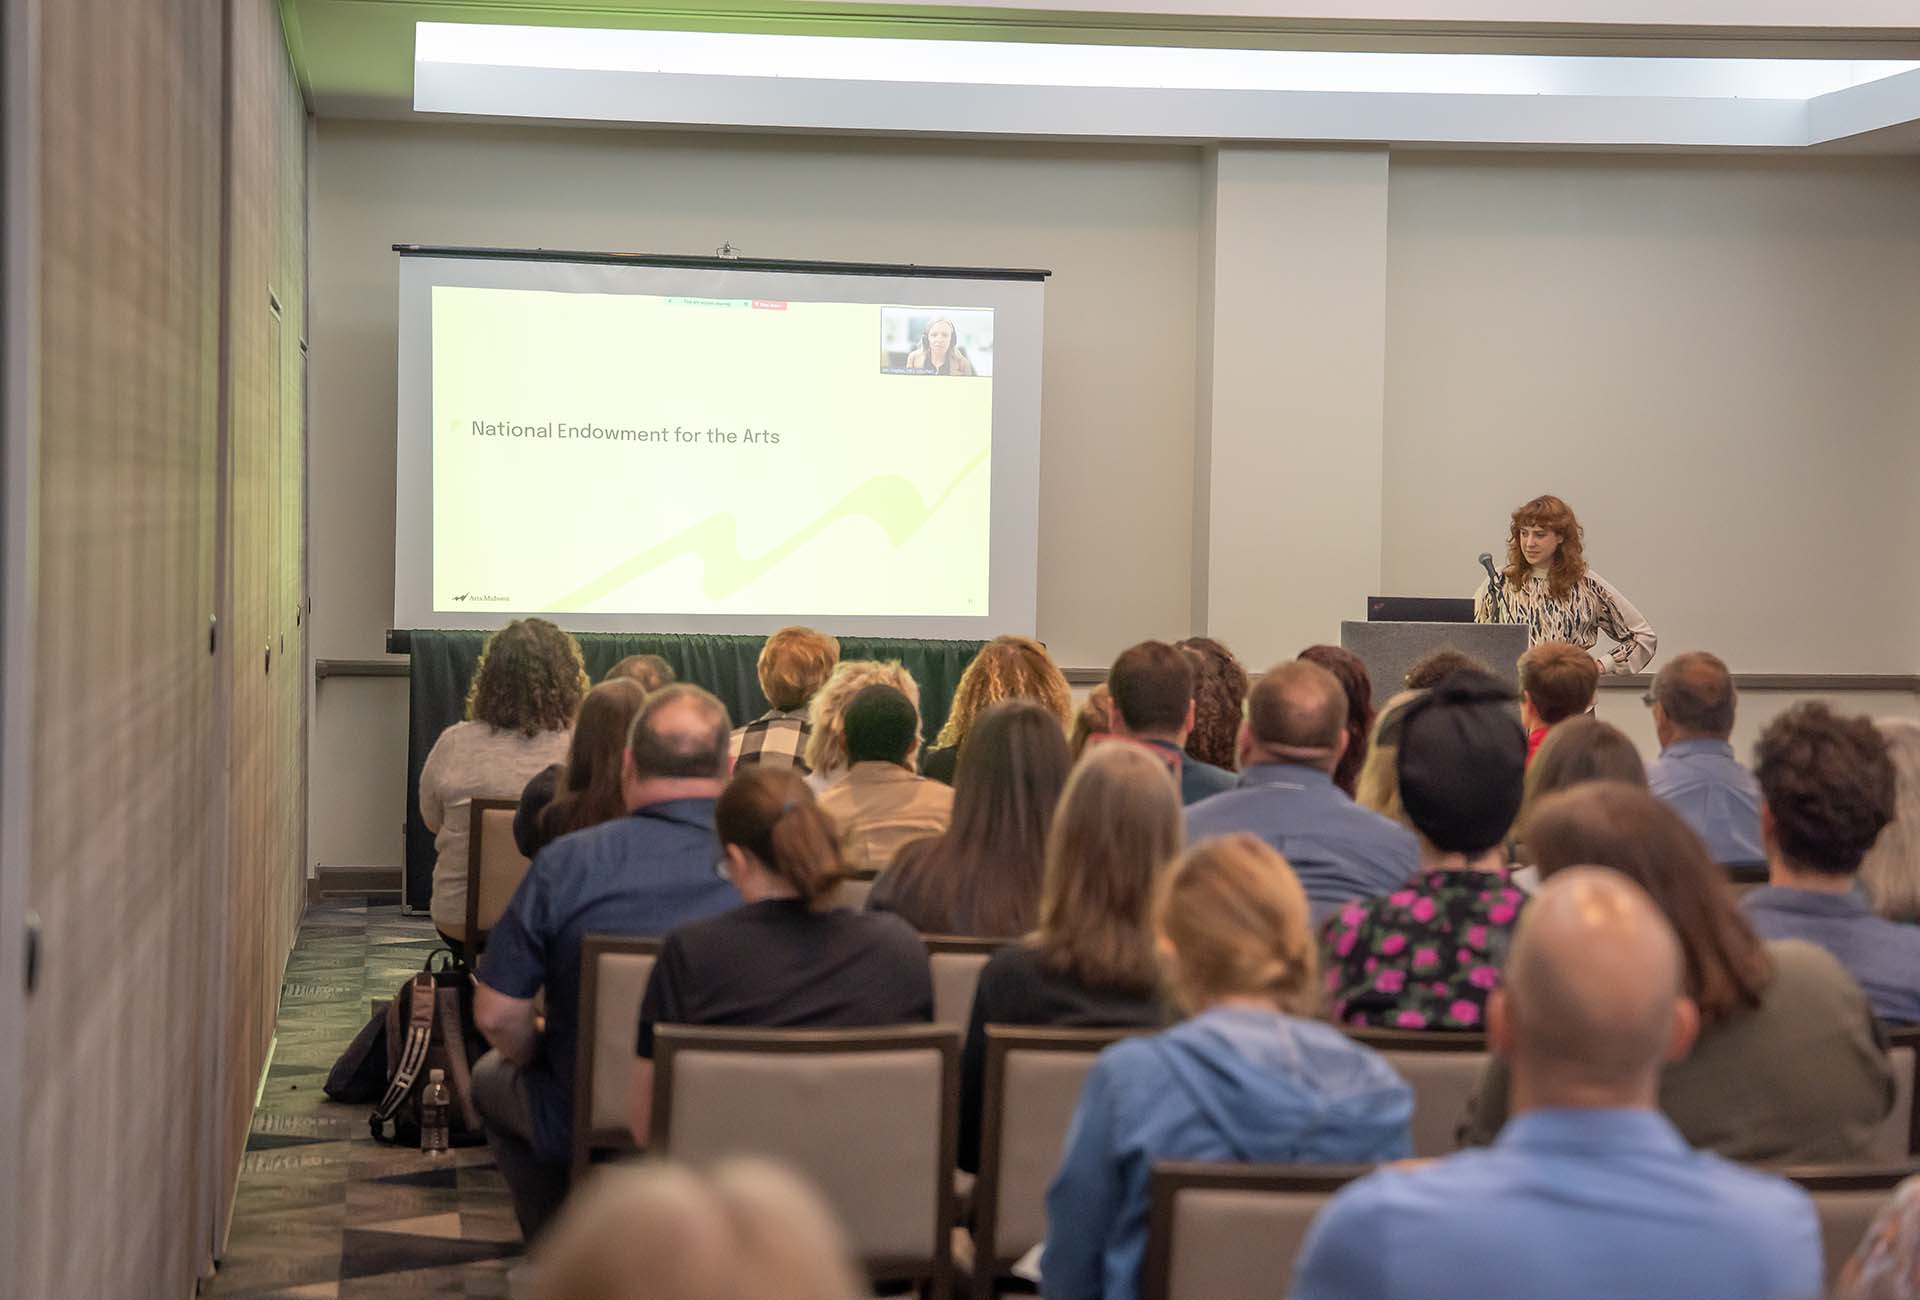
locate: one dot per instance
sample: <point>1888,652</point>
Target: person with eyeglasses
<point>1547,585</point>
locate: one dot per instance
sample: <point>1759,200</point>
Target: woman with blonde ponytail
<point>788,959</point>
<point>1248,1077</point>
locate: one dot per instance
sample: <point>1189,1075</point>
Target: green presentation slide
<point>629,454</point>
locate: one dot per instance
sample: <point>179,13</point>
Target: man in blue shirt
<point>1696,774</point>
<point>643,875</point>
<point>1589,1193</point>
<point>1829,790</point>
<point>1289,745</point>
<point>1152,689</point>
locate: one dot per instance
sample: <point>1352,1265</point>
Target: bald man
<point>1693,702</point>
<point>1589,1193</point>
<point>641,875</point>
<point>1289,745</point>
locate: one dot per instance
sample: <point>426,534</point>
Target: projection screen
<point>704,445</point>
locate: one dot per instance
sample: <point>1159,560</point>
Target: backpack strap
<point>420,1008</point>
<point>454,1035</point>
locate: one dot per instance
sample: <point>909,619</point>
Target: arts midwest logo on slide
<point>474,598</point>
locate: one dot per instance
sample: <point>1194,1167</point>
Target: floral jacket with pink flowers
<point>1424,957</point>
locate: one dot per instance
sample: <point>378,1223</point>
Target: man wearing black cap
<point>1427,955</point>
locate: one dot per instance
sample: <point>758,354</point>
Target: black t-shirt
<point>1017,988</point>
<point>778,964</point>
<point>940,764</point>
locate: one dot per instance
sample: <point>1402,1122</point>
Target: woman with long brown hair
<point>1007,668</point>
<point>526,688</point>
<point>940,352</point>
<point>1788,1066</point>
<point>787,959</point>
<point>982,875</point>
<point>1089,963</point>
<point>1345,665</point>
<point>1547,585</point>
<point>585,790</point>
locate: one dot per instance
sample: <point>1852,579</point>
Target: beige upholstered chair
<point>1847,1197</point>
<point>1031,1087</point>
<point>1442,1068</point>
<point>956,965</point>
<point>853,891</point>
<point>870,1116</point>
<point>494,868</point>
<point>613,978</point>
<point>1229,1232</point>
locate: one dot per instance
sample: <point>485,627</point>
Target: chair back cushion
<point>1845,1217</point>
<point>500,864</point>
<point>866,1127</point>
<point>1042,1090</point>
<point>1230,1244</point>
<point>1443,1082</point>
<point>620,982</point>
<point>955,977</point>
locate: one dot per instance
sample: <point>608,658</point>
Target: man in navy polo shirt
<point>641,875</point>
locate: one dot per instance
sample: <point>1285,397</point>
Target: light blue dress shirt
<point>1568,1205</point>
<point>1703,782</point>
<point>1339,850</point>
<point>1882,956</point>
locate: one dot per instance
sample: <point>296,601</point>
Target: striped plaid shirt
<point>774,739</point>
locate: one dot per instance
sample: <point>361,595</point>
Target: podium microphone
<point>1493,578</point>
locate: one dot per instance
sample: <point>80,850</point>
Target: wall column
<point>1291,386</point>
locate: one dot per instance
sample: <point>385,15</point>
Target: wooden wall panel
<point>169,812</point>
<point>124,860</point>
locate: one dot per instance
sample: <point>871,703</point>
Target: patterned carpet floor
<point>323,1211</point>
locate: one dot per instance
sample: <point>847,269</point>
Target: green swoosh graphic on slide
<point>886,499</point>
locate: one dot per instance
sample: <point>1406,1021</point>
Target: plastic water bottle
<point>435,1101</point>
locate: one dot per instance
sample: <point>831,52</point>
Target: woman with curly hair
<point>1219,694</point>
<point>526,688</point>
<point>1007,668</point>
<point>1548,586</point>
<point>1358,686</point>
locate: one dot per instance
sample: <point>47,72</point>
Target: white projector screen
<point>705,446</point>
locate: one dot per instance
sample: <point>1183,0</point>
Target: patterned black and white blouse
<point>1592,607</point>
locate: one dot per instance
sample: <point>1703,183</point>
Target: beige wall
<point>1716,361</point>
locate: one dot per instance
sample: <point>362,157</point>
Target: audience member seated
<point>592,790</point>
<point>1693,702</point>
<point>1557,682</point>
<point>1437,665</point>
<point>1890,873</point>
<point>1219,697</point>
<point>1426,956</point>
<point>640,875</point>
<point>880,806</point>
<point>1787,1066</point>
<point>1590,1191</point>
<point>1252,1076</point>
<point>1378,785</point>
<point>982,876</point>
<point>1094,720</point>
<point>743,1230</point>
<point>1346,665</point>
<point>826,750</point>
<point>794,664</point>
<point>1290,743</point>
<point>787,959</point>
<point>1886,1263</point>
<point>1577,751</point>
<point>1007,668</point>
<point>1829,789</point>
<point>526,688</point>
<point>649,672</point>
<point>1090,963</point>
<point>1152,685</point>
